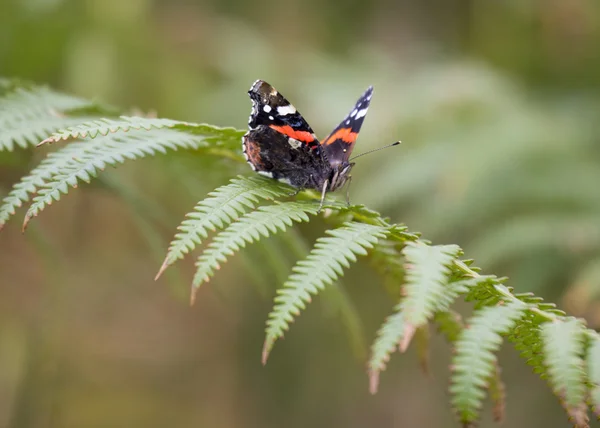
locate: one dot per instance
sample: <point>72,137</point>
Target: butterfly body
<point>280,144</point>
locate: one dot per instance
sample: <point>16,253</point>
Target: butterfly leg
<point>348,190</point>
<point>323,192</point>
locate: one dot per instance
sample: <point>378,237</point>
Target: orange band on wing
<point>344,134</point>
<point>304,136</point>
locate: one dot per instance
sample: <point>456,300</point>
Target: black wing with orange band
<point>272,109</point>
<point>339,144</point>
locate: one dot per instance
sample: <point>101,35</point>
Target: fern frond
<point>450,324</point>
<point>397,332</point>
<point>90,155</point>
<point>225,137</point>
<point>388,337</point>
<point>265,221</point>
<point>36,178</point>
<point>498,394</point>
<point>427,274</point>
<point>93,128</point>
<point>223,206</point>
<point>563,345</point>
<point>474,362</point>
<point>325,264</point>
<point>27,115</point>
<point>527,339</point>
<point>593,364</point>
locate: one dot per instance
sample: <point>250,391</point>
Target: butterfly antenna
<point>376,150</point>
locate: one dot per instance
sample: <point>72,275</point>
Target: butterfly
<point>280,144</point>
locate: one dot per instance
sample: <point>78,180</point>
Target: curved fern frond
<point>93,128</point>
<point>225,137</point>
<point>498,394</point>
<point>388,337</point>
<point>36,178</point>
<point>450,324</point>
<point>29,115</point>
<point>90,155</point>
<point>593,364</point>
<point>223,206</point>
<point>262,223</point>
<point>397,332</point>
<point>563,345</point>
<point>474,362</point>
<point>325,264</point>
<point>427,275</point>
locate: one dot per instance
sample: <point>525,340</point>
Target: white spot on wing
<point>271,118</point>
<point>267,108</point>
<point>353,113</point>
<point>361,113</point>
<point>266,173</point>
<point>285,110</point>
<point>284,180</point>
<point>294,143</point>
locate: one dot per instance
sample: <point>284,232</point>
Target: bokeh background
<point>497,105</point>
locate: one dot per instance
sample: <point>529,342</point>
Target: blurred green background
<point>497,105</point>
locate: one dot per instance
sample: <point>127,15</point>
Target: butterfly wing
<point>338,145</point>
<point>279,142</point>
<point>272,109</point>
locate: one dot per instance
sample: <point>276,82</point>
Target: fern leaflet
<point>224,137</point>
<point>427,274</point>
<point>563,344</point>
<point>474,361</point>
<point>323,265</point>
<point>28,115</point>
<point>223,206</point>
<point>89,156</point>
<point>593,363</point>
<point>263,222</point>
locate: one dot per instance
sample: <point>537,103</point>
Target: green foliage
<point>474,362</point>
<point>262,223</point>
<point>325,264</point>
<point>593,362</point>
<point>222,207</point>
<point>563,344</point>
<point>427,275</point>
<point>432,277</point>
<point>29,113</point>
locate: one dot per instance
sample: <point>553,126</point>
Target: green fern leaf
<point>563,344</point>
<point>396,332</point>
<point>388,337</point>
<point>325,264</point>
<point>427,275</point>
<point>527,339</point>
<point>93,128</point>
<point>90,155</point>
<point>593,363</point>
<point>450,324</point>
<point>265,221</point>
<point>474,361</point>
<point>498,394</point>
<point>223,206</point>
<point>36,178</point>
<point>225,137</point>
<point>28,115</point>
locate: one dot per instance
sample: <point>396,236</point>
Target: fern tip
<point>26,222</point>
<point>162,269</point>
<point>409,332</point>
<point>266,351</point>
<point>373,381</point>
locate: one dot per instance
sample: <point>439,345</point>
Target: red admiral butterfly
<point>281,145</point>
